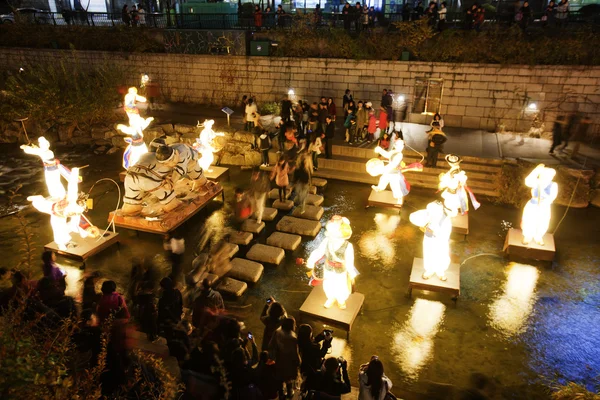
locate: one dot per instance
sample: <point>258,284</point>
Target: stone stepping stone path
<point>250,225</point>
<point>212,278</point>
<point>310,212</point>
<point>274,193</point>
<point>319,182</point>
<point>299,226</point>
<point>241,238</point>
<point>266,254</point>
<point>232,287</point>
<point>312,190</point>
<point>269,214</point>
<point>286,205</point>
<point>246,270</point>
<point>314,199</point>
<point>284,240</point>
<point>231,249</point>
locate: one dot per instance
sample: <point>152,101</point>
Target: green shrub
<point>65,93</point>
<point>270,108</point>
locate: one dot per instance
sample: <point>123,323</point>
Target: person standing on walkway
<point>315,148</point>
<point>331,108</point>
<point>141,15</point>
<point>259,187</point>
<point>263,143</point>
<point>284,350</point>
<point>125,15</point>
<point>386,103</point>
<point>329,135</point>
<point>347,16</point>
<point>346,100</point>
<point>302,179</point>
<point>258,17</point>
<point>435,145</point>
<point>443,11</point>
<point>374,385</point>
<point>280,174</point>
<point>174,245</point>
<point>557,133</point>
<point>362,120</point>
<point>581,133</point>
<point>251,111</point>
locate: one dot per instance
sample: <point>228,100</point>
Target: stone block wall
<point>478,96</point>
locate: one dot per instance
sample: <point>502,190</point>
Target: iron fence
<point>249,22</point>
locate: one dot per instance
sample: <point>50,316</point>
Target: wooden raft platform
<point>313,307</point>
<point>434,284</point>
<point>513,246</point>
<point>83,248</point>
<point>168,222</point>
<point>384,199</point>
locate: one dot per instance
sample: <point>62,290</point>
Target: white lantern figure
<point>338,271</point>
<point>205,145</point>
<point>130,102</point>
<point>52,168</point>
<point>455,191</point>
<point>66,214</point>
<point>537,211</point>
<point>136,146</point>
<point>435,222</point>
<point>391,173</point>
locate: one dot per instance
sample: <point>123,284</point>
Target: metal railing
<point>248,22</point>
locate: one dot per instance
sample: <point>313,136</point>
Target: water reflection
<point>376,244</point>
<point>510,311</point>
<point>413,345</point>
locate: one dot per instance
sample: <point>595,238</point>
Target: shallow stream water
<point>525,326</point>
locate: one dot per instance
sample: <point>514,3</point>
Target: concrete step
<point>310,212</point>
<point>231,249</point>
<point>274,193</point>
<point>266,254</point>
<point>246,270</point>
<point>241,238</point>
<point>284,240</point>
<point>286,205</point>
<point>298,226</point>
<point>250,225</point>
<point>232,287</point>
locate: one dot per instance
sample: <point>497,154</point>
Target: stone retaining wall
<point>474,95</point>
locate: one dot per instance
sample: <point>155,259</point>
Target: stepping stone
<point>269,214</point>
<point>246,270</point>
<point>284,240</point>
<point>250,225</point>
<point>299,226</point>
<point>212,279</point>
<point>274,193</point>
<point>314,199</point>
<point>310,212</point>
<point>266,254</point>
<point>231,249</point>
<point>319,182</point>
<point>312,190</point>
<point>241,238</point>
<point>232,287</point>
<point>286,205</point>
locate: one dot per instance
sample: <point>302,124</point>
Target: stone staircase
<point>348,164</point>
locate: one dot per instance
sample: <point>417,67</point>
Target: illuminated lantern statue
<point>149,177</point>
<point>455,191</point>
<point>130,102</point>
<point>435,222</point>
<point>187,164</point>
<point>205,144</point>
<point>66,215</point>
<point>338,271</point>
<point>537,212</point>
<point>391,173</point>
<point>52,168</point>
<point>136,146</point>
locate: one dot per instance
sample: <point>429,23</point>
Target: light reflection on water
<point>510,311</point>
<point>413,343</point>
<point>378,244</point>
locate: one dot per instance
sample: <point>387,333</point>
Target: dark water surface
<point>525,326</point>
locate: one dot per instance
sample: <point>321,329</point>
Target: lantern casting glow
<point>66,214</point>
<point>52,167</point>
<point>205,144</point>
<point>338,271</point>
<point>435,222</point>
<point>130,102</point>
<point>537,211</point>
<point>453,183</point>
<point>391,173</point>
<point>136,146</point>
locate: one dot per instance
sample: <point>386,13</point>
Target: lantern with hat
<point>455,191</point>
<point>339,271</point>
<point>205,144</point>
<point>537,211</point>
<point>136,146</point>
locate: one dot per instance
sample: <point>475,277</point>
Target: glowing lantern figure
<point>66,215</point>
<point>338,271</point>
<point>435,222</point>
<point>455,191</point>
<point>391,173</point>
<point>136,146</point>
<point>205,145</point>
<point>537,211</point>
<point>130,103</point>
<point>52,167</point>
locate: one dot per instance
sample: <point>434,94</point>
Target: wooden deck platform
<point>513,246</point>
<point>434,284</point>
<point>84,248</point>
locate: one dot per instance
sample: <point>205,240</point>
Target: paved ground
<point>468,142</point>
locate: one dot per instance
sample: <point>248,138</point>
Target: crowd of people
<point>218,358</point>
<point>136,16</point>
